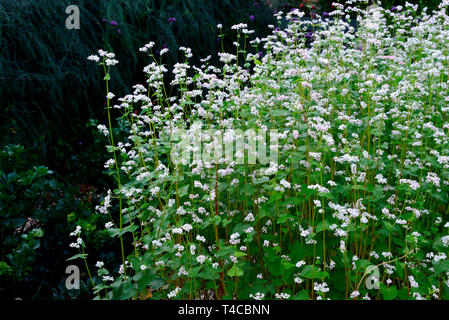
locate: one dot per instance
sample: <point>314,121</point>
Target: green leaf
<point>302,295</point>
<point>312,272</point>
<point>123,290</point>
<point>319,226</point>
<point>358,187</point>
<point>209,273</point>
<point>183,191</point>
<point>388,226</point>
<point>299,252</point>
<point>235,271</point>
<point>275,267</point>
<point>239,254</point>
<point>362,264</point>
<point>294,200</point>
<point>261,180</point>
<point>439,246</point>
<point>440,196</point>
<point>441,266</point>
<point>388,293</point>
<point>403,294</point>
<point>275,196</point>
<point>284,218</point>
<point>287,265</point>
<point>116,232</point>
<point>76,256</point>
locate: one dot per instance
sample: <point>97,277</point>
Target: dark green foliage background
<point>48,88</point>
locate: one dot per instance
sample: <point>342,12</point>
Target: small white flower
<point>282,296</point>
<point>257,296</point>
<point>445,241</point>
<point>93,58</point>
<point>102,128</point>
<point>201,259</point>
<point>412,281</point>
<point>76,232</point>
<point>174,293</point>
<point>298,280</point>
<point>108,225</point>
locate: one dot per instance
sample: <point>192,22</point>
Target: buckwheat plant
<point>357,121</point>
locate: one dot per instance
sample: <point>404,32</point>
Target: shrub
<point>36,214</point>
<point>351,202</point>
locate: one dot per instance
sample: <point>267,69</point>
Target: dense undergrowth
<point>351,203</point>
<point>36,212</point>
<point>49,94</point>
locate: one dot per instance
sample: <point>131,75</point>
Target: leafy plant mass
<point>354,206</point>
